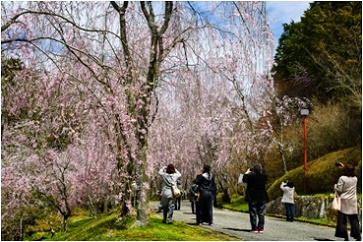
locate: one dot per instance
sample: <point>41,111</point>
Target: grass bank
<point>109,227</point>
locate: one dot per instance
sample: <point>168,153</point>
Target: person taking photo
<point>256,196</point>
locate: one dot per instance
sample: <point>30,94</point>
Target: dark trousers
<point>257,210</point>
<point>198,213</point>
<point>341,229</point>
<point>290,211</point>
<point>194,206</point>
<point>177,203</point>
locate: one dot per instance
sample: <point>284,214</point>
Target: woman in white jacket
<point>169,175</point>
<point>288,199</point>
<point>347,191</point>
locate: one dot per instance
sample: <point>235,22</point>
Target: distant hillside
<point>322,173</point>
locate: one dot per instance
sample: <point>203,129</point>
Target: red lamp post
<point>305,113</point>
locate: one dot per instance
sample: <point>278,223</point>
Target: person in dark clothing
<point>207,190</point>
<point>193,197</point>
<point>256,196</point>
<point>178,200</point>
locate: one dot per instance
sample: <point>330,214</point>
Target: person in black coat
<point>207,191</point>
<point>256,196</point>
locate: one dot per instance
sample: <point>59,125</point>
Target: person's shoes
<point>260,231</point>
<point>210,224</point>
<point>255,231</point>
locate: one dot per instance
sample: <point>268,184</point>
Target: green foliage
<point>321,55</point>
<point>322,173</point>
<point>330,128</point>
<point>44,223</point>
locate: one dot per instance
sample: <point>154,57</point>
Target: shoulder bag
<point>176,191</point>
<point>336,202</point>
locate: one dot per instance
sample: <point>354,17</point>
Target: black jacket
<point>206,183</point>
<point>256,187</point>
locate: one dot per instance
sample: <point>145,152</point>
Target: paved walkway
<point>237,224</point>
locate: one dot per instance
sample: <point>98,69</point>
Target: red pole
<point>305,120</point>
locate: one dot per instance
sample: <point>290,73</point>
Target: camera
<point>338,164</point>
<point>251,169</point>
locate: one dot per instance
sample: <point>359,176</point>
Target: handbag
<point>176,191</point>
<point>336,203</point>
<point>240,179</point>
<point>296,196</point>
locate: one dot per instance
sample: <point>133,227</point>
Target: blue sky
<point>280,12</point>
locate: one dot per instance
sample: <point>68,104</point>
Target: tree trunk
<point>141,194</point>
<point>65,224</point>
<point>21,229</point>
<point>147,90</point>
<point>281,150</point>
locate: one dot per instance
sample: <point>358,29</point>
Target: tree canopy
<point>321,56</point>
<point>110,91</point>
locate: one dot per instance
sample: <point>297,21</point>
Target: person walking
<point>170,175</point>
<point>346,188</point>
<point>207,190</point>
<point>288,199</point>
<point>256,196</point>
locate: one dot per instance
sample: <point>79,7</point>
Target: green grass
<point>322,173</point>
<point>237,204</point>
<point>109,228</point>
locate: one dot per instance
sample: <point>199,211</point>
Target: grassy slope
<point>322,173</point>
<point>108,228</point>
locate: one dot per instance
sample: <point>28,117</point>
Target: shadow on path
<point>188,213</point>
<point>323,239</point>
<point>241,230</point>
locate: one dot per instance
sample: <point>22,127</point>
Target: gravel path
<point>237,224</point>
